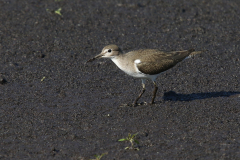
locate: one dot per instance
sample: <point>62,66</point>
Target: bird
<point>144,63</point>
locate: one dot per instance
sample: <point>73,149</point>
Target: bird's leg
<point>140,95</point>
<point>154,92</point>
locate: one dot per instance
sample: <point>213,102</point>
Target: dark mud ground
<point>53,106</point>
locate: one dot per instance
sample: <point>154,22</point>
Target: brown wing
<point>159,61</point>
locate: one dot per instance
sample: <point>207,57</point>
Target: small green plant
<point>58,11</point>
<point>98,157</point>
<point>43,78</point>
<point>131,139</point>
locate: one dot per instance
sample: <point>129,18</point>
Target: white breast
<point>129,67</point>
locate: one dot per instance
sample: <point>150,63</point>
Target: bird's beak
<point>96,57</point>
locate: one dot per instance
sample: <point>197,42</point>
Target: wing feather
<point>157,61</point>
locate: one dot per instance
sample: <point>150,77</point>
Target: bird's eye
<point>109,50</point>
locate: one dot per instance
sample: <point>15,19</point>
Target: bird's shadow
<point>173,96</point>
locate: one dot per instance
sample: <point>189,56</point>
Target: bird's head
<point>109,51</point>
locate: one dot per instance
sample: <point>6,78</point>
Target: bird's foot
<point>135,104</point>
<point>130,105</point>
<point>139,104</point>
<point>126,105</point>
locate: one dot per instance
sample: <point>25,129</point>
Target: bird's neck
<point>119,60</point>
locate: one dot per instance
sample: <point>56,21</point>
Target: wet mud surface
<point>54,106</point>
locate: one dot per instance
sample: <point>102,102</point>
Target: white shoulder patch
<point>137,61</point>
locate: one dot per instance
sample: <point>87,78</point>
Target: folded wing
<point>157,61</point>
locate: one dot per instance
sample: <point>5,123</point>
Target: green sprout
<point>43,78</point>
<point>131,139</point>
<point>98,157</point>
<point>58,11</point>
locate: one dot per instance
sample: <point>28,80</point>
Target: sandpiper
<point>144,63</point>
